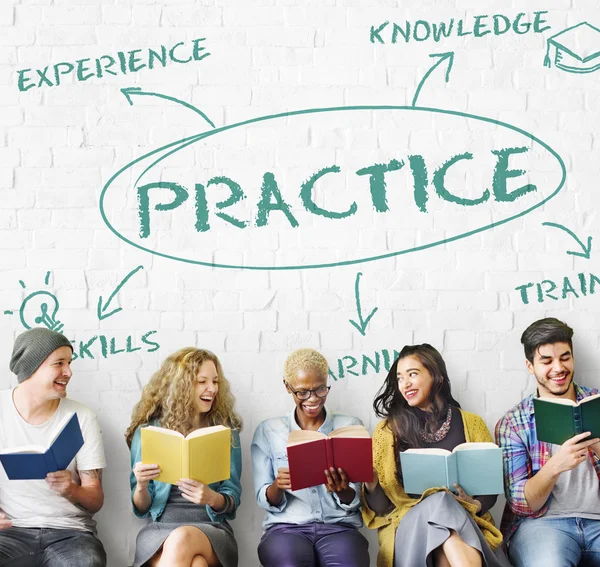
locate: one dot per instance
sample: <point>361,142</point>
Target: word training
<point>550,290</point>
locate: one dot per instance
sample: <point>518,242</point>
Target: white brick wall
<point>60,145</point>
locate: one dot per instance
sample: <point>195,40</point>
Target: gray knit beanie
<point>33,347</point>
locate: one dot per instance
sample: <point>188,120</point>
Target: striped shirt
<point>523,456</point>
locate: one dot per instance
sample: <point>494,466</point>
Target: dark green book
<point>559,419</point>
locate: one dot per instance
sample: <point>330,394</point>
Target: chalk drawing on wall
<point>39,308</point>
<point>190,208</point>
<point>362,324</point>
<point>586,249</point>
<point>576,49</point>
<point>103,307</point>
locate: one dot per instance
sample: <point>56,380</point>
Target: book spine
<point>50,461</point>
<point>577,422</point>
<point>329,450</point>
<point>185,459</point>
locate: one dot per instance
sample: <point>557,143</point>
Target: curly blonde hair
<point>169,396</point>
<point>304,359</point>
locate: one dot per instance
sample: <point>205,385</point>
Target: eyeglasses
<point>320,392</point>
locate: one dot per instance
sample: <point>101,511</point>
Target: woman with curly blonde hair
<point>189,525</point>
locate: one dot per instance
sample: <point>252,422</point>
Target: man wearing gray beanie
<point>48,522</point>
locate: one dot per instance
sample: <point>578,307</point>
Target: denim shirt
<point>159,491</point>
<point>314,504</point>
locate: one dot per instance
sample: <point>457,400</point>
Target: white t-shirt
<point>32,503</point>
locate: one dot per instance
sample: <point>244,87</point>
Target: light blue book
<point>475,467</point>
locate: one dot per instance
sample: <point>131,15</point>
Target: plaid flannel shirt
<point>523,456</point>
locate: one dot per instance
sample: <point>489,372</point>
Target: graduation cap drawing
<point>577,49</point>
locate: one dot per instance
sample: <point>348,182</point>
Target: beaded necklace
<point>441,432</point>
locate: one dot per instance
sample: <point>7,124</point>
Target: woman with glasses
<point>315,526</point>
<point>437,528</point>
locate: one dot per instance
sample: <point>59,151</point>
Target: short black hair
<point>543,332</point>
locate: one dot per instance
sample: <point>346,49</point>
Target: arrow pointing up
<point>449,57</point>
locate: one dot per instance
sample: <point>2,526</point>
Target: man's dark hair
<point>544,332</point>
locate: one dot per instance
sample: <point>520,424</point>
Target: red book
<point>311,452</point>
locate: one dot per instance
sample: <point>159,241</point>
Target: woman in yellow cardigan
<point>437,529</point>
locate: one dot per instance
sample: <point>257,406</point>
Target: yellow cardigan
<point>385,464</point>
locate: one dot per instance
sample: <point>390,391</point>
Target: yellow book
<point>204,454</point>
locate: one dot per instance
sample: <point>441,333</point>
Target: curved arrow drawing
<point>361,326</point>
<point>102,309</point>
<point>129,91</point>
<point>586,249</point>
<point>448,56</point>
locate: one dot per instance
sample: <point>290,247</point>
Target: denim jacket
<point>159,491</point>
<point>314,504</point>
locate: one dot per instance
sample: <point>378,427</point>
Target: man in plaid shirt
<point>552,514</point>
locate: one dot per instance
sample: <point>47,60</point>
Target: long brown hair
<point>402,419</point>
<point>169,396</point>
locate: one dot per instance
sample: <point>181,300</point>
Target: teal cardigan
<point>159,491</point>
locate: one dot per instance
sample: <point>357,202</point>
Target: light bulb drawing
<point>40,308</point>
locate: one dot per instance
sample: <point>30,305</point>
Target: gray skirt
<point>180,512</point>
<point>427,525</point>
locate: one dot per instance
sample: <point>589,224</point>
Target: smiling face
<point>553,368</point>
<point>52,376</point>
<point>414,382</point>
<point>311,408</point>
<point>207,386</point>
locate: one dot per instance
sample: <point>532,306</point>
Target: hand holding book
<point>462,495</point>
<point>144,474</point>
<point>572,453</point>
<point>61,482</point>
<point>337,481</point>
<point>198,493</point>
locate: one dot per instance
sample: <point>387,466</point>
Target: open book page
<point>481,446</point>
<point>25,449</point>
<point>163,430</point>
<point>298,436</point>
<point>426,451</point>
<point>589,399</point>
<point>206,431</point>
<point>350,431</point>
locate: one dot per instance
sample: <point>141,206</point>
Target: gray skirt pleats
<point>427,526</point>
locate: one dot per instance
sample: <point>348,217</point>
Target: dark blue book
<point>33,462</point>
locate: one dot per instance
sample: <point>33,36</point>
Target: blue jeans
<point>556,542</point>
<point>49,547</point>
